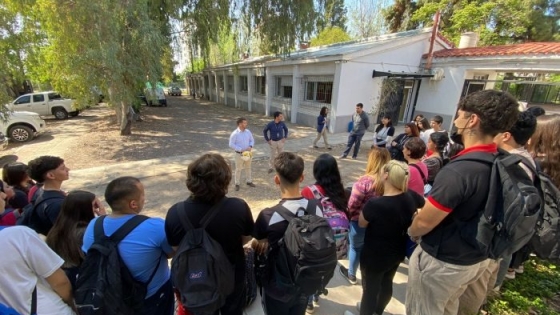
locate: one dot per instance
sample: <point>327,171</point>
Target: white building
<point>341,75</point>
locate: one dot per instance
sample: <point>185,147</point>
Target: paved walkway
<point>160,178</point>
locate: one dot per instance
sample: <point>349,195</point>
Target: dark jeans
<point>353,139</point>
<point>377,284</point>
<point>296,306</point>
<point>160,303</point>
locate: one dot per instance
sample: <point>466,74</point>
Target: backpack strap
<point>316,193</point>
<point>187,224</point>
<point>424,179</point>
<point>288,215</point>
<point>125,229</point>
<point>34,301</point>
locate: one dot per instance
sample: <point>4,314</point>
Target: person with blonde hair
<point>386,220</point>
<point>364,189</point>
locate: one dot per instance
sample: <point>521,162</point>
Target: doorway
<point>396,100</point>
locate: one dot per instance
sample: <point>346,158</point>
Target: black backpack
<point>200,269</point>
<point>104,285</point>
<point>512,209</point>
<point>304,259</point>
<point>546,240</point>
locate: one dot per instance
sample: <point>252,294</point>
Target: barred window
<point>319,92</point>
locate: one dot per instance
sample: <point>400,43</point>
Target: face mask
<point>455,136</point>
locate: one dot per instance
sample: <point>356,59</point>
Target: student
<point>397,145</point>
<point>322,128</point>
<point>32,265</point>
<point>448,261</point>
<point>208,179</point>
<point>384,132</point>
<point>368,186</point>
<point>436,124</point>
<point>142,250</point>
<point>270,227</point>
<point>51,171</point>
<point>434,162</point>
<point>386,220</point>
<point>66,236</point>
<point>328,184</point>
<point>360,122</point>
<point>413,151</point>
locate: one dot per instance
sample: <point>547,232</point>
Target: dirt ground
<point>185,127</point>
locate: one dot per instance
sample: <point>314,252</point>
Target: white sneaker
<point>510,275</point>
<point>519,269</point>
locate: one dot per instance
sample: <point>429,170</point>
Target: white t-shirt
<point>26,264</point>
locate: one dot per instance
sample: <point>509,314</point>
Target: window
<point>243,84</point>
<point>230,83</point>
<point>38,98</point>
<point>54,96</point>
<point>260,85</point>
<point>26,99</point>
<point>221,83</point>
<point>287,92</point>
<point>319,92</point>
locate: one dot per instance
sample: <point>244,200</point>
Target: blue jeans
<point>353,139</point>
<point>356,240</point>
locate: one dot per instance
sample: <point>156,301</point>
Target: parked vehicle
<point>174,90</point>
<point>21,126</point>
<point>155,96</point>
<point>44,104</point>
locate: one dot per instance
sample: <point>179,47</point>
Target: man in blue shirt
<point>242,142</point>
<point>275,134</point>
<point>142,250</point>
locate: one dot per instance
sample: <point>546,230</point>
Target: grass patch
<point>535,291</point>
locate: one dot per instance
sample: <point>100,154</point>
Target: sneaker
<point>316,147</point>
<point>251,185</point>
<point>510,274</point>
<point>310,308</point>
<point>354,157</point>
<point>344,272</point>
<point>236,187</point>
<point>342,157</point>
<point>270,170</point>
<point>329,148</point>
<point>519,269</point>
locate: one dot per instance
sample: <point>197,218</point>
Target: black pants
<point>296,306</point>
<point>377,283</point>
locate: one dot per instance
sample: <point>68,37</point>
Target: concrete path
<point>160,178</point>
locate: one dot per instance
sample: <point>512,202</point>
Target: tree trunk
<point>126,119</point>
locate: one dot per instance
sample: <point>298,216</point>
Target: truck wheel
<point>21,133</point>
<point>60,113</point>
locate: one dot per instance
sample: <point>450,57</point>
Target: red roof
<point>503,50</point>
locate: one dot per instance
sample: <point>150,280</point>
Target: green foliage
<point>497,21</point>
<point>530,292</point>
<point>331,13</point>
<point>330,35</point>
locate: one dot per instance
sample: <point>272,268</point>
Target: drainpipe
<point>432,40</point>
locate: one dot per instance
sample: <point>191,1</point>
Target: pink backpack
<point>338,221</point>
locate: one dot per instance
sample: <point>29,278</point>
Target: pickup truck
<point>44,104</point>
<point>21,126</point>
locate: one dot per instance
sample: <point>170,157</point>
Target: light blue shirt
<point>140,250</point>
<point>241,140</point>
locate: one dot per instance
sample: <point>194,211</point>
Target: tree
<point>497,21</point>
<point>366,18</point>
<point>331,13</point>
<point>329,36</point>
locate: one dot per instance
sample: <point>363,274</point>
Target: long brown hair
<point>66,236</point>
<point>545,146</point>
<point>377,158</point>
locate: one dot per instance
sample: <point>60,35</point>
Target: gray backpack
<point>200,269</point>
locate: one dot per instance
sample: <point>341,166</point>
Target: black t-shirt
<point>233,221</point>
<point>461,189</point>
<point>46,210</point>
<point>386,234</point>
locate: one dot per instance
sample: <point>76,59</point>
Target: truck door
<point>39,105</point>
<point>22,103</point>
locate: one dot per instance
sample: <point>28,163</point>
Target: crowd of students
<point>376,220</point>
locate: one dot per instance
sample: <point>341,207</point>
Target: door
<point>39,105</point>
<point>22,103</point>
<point>406,103</point>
